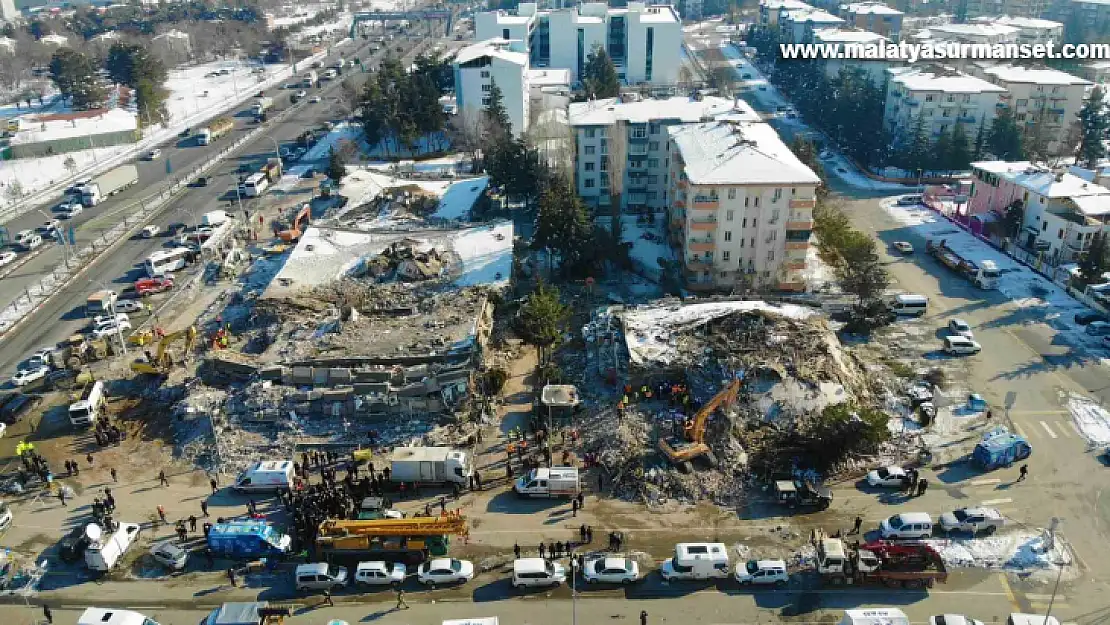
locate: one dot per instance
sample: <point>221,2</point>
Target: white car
<point>445,571</point>
<point>953,619</point>
<point>973,520</point>
<point>961,345</point>
<point>24,377</point>
<point>149,232</point>
<point>302,93</point>
<point>762,572</point>
<point>904,247</point>
<point>959,327</point>
<point>610,570</point>
<point>65,207</point>
<point>154,154</point>
<point>73,211</point>
<point>315,99</point>
<point>51,227</point>
<point>101,320</point>
<point>5,516</point>
<point>380,574</point>
<point>888,477</point>
<point>109,329</point>
<point>41,357</point>
<point>3,429</point>
<point>7,257</point>
<point>128,305</point>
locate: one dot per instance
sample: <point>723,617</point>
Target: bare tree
<point>70,165</point>
<point>467,132</point>
<point>616,162</point>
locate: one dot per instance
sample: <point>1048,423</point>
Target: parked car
<point>119,317</point>
<point>953,619</point>
<point>1090,316</point>
<point>151,231</point>
<point>445,571</point>
<point>147,286</point>
<point>887,477</point>
<point>380,574</point>
<point>973,520</point>
<point>320,576</point>
<point>49,228</point>
<point>960,345</point>
<point>16,406</point>
<point>154,154</point>
<point>904,247</point>
<point>7,257</point>
<point>909,200</point>
<point>907,525</point>
<point>762,572</point>
<point>129,305</point>
<point>537,573</point>
<point>610,570</point>
<point>959,327</point>
<point>40,357</point>
<point>23,377</point>
<point>170,555</point>
<point>109,329</point>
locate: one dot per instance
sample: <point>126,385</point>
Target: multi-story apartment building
<point>640,127</point>
<point>1038,95</point>
<point>8,12</point>
<point>1018,8</point>
<point>874,69</point>
<point>797,25</point>
<point>643,40</point>
<point>478,67</point>
<point>1062,212</point>
<point>1094,14</point>
<point>939,96</point>
<point>741,206</point>
<point>875,17</point>
<point>974,33</point>
<point>770,10</point>
<point>1030,29</point>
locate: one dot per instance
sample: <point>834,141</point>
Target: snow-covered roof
<point>1042,180</point>
<point>106,35</point>
<point>36,129</point>
<point>685,109</point>
<point>870,8</point>
<point>172,34</point>
<point>1040,76</point>
<point>1026,22</point>
<point>54,39</point>
<point>548,77</point>
<point>774,5</point>
<point>913,79</point>
<point>983,30</point>
<point>737,153</point>
<point>1093,205</point>
<point>494,48</point>
<point>840,35</point>
<point>813,16</point>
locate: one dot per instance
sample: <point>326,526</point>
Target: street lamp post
<point>277,149</point>
<point>60,235</point>
<point>1055,524</point>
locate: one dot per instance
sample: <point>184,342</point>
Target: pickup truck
<point>149,286</point>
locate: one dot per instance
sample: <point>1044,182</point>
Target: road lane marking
<point>1020,431</point>
<point>1048,429</point>
<point>1032,596</point>
<point>1009,592</point>
<point>1074,428</point>
<point>990,481</point>
<point>1064,431</point>
<point>997,502</point>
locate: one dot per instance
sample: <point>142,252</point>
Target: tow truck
<point>895,565</point>
<point>983,273</point>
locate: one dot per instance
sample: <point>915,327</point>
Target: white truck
<point>875,616</point>
<point>214,218</point>
<point>215,130</point>
<point>261,105</point>
<point>266,476</point>
<point>86,409</point>
<point>430,465</point>
<point>114,616</point>
<point>106,549</point>
<point>109,183</point>
<point>548,482</point>
<point>309,79</point>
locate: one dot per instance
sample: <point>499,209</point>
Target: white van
<point>266,476</point>
<point>533,572</point>
<point>907,525</point>
<point>875,616</point>
<point>909,304</point>
<point>113,616</point>
<point>1017,618</point>
<point>106,550</point>
<point>320,576</point>
<point>697,561</point>
<point>548,482</point>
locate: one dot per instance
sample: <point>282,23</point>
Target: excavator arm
<point>723,399</point>
<point>294,232</point>
<point>162,363</point>
<point>681,452</point>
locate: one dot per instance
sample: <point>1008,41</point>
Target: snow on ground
<point>840,167</point>
<point>818,275</point>
<point>1092,420</point>
<point>646,252</point>
<point>341,23</point>
<point>449,164</point>
<point>486,253</point>
<point>649,330</point>
<point>1022,550</point>
<point>456,197</point>
<point>456,201</point>
<point>343,131</point>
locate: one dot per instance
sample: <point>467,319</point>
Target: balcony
<point>707,201</point>
<point>967,119</point>
<point>797,245</point>
<point>1002,105</point>
<point>704,224</point>
<point>638,149</point>
<point>803,203</point>
<point>701,245</point>
<point>698,263</point>
<point>679,203</point>
<point>799,225</point>
<point>913,102</point>
<point>948,103</point>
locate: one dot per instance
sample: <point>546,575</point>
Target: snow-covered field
<point>646,252</point>
<point>1018,551</point>
<point>1092,419</point>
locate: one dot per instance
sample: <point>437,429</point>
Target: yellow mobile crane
<point>681,451</point>
<point>162,362</point>
<point>410,540</point>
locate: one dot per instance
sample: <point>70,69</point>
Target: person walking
<point>327,597</point>
<point>574,507</point>
<point>47,614</point>
<point>231,578</point>
<point>90,459</point>
<point>192,523</point>
<point>858,525</point>
<point>212,483</point>
<point>516,551</point>
<point>401,605</point>
<point>581,501</point>
<point>643,617</point>
<point>162,478</point>
<point>204,508</point>
<point>478,479</point>
<point>1023,472</point>
<point>62,495</point>
<point>115,477</point>
<point>922,485</point>
<point>543,549</point>
<point>162,513</point>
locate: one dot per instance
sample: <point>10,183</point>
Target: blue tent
<point>999,448</point>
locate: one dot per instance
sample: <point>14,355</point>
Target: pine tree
<point>959,154</point>
<point>563,226</point>
<point>496,114</point>
<point>1093,262</point>
<point>941,156</point>
<point>918,154</point>
<point>1094,122</point>
<point>1004,137</point>
<point>600,75</point>
<point>980,140</point>
<point>336,168</point>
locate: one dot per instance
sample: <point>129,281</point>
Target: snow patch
<point>1092,419</point>
<point>1022,551</point>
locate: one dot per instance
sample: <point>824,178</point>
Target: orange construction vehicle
<point>410,540</point>
<point>294,233</point>
<point>681,451</point>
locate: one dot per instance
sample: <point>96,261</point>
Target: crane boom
<point>416,526</point>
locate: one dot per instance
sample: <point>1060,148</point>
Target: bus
<point>255,185</point>
<point>168,261</point>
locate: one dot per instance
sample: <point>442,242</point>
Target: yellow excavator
<point>161,362</point>
<point>681,451</point>
<point>410,540</point>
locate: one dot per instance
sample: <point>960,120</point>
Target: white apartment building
<point>941,97</point>
<point>644,41</point>
<point>8,12</point>
<point>770,10</point>
<point>874,69</point>
<point>875,17</point>
<point>797,25</point>
<point>1049,95</point>
<point>974,33</point>
<point>641,126</point>
<point>478,67</point>
<point>741,206</point>
<point>1030,29</point>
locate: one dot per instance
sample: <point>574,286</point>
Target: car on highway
<point>110,328</point>
<point>23,377</point>
<point>315,99</point>
<point>72,211</point>
<point>960,345</point>
<point>151,231</point>
<point>101,320</point>
<point>7,257</point>
<point>762,572</point>
<point>154,154</point>
<point>972,520</point>
<point>904,247</point>
<point>887,477</point>
<point>959,327</point>
<point>40,356</point>
<point>50,227</point>
<point>1090,316</point>
<point>610,570</point>
<point>129,305</point>
<point>445,571</point>
<point>148,286</point>
<point>380,573</point>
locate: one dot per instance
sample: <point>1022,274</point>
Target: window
<point>741,243</point>
<point>590,132</point>
<point>728,235</point>
<point>1044,226</point>
<point>638,132</point>
<point>653,179</point>
<point>729,214</point>
<point>588,183</point>
<point>777,195</point>
<point>753,241</point>
<point>725,255</point>
<point>1060,234</point>
<point>590,166</point>
<point>744,224</point>
<point>485,101</point>
<point>755,221</point>
<point>505,33</point>
<point>793,192</point>
<point>604,163</point>
<point>755,203</point>
<point>746,202</point>
<point>589,150</point>
<point>485,73</point>
<point>485,87</point>
<point>732,194</point>
<point>771,256</point>
<point>653,146</point>
<point>1020,117</point>
<point>1022,102</point>
<point>653,163</point>
<point>652,195</point>
<point>929,98</point>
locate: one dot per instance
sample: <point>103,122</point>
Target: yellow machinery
<point>79,350</point>
<point>406,540</point>
<point>681,451</point>
<point>162,362</point>
<point>294,233</point>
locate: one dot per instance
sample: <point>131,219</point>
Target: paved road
<point>123,265</point>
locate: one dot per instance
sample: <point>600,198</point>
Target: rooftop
<point>729,152</point>
<point>815,16</point>
<point>35,129</point>
<point>839,35</point>
<point>1040,75</point>
<point>974,30</point>
<point>914,79</point>
<point>684,109</point>
<point>870,8</point>
<point>1042,180</point>
<point>784,4</point>
<point>547,77</point>
<point>494,48</point>
<point>1026,22</point>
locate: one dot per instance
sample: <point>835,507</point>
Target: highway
<point>63,315</point>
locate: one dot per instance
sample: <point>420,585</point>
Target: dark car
<point>1089,316</point>
<point>71,547</point>
<point>17,406</point>
<point>202,181</point>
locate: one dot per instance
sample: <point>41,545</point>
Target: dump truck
<point>982,272</point>
<point>411,541</point>
<point>247,539</point>
<point>261,105</point>
<point>430,465</point>
<point>109,183</point>
<point>215,130</point>
<point>897,565</point>
<point>101,303</point>
<point>86,410</point>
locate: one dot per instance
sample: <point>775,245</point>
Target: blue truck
<point>247,539</point>
<point>1000,448</point>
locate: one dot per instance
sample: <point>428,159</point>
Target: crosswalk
<point>1046,429</point>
